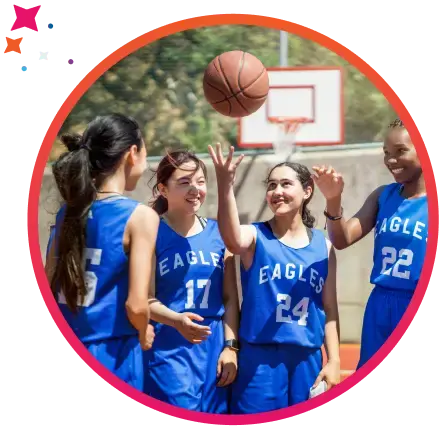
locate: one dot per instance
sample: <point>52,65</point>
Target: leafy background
<point>161,86</point>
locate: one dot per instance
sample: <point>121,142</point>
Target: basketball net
<point>285,143</point>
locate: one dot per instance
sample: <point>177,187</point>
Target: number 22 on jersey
<point>392,260</point>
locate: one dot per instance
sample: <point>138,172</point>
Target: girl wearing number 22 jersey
<point>399,214</point>
<point>289,302</point>
<point>100,251</point>
<point>193,299</point>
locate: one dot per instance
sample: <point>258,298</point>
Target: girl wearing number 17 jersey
<point>399,214</point>
<point>194,297</point>
<point>289,306</point>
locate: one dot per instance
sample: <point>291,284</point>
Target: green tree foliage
<point>161,86</point>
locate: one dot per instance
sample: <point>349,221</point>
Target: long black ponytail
<point>78,173</point>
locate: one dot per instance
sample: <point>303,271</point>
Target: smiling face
<point>400,156</point>
<point>285,192</point>
<point>186,189</point>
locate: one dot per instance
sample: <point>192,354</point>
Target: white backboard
<point>314,93</point>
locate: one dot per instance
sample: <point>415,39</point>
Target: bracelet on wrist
<point>325,212</point>
<point>333,218</point>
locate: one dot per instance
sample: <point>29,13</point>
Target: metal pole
<point>283,49</point>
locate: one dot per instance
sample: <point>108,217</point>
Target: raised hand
<point>224,168</point>
<point>329,182</point>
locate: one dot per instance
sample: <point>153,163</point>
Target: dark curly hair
<point>397,123</point>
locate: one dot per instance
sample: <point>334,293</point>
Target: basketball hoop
<point>285,143</point>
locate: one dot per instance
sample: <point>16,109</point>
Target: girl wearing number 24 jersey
<point>399,214</point>
<point>289,300</point>
<point>193,299</point>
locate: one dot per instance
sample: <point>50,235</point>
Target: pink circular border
<point>65,336</point>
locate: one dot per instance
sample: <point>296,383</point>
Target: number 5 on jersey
<point>91,280</point>
<point>300,310</point>
<point>190,294</point>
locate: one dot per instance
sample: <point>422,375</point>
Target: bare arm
<point>182,322</point>
<point>238,239</point>
<point>330,305</point>
<point>142,230</point>
<point>343,233</point>
<point>159,312</point>
<point>228,360</point>
<point>331,371</point>
<point>231,303</point>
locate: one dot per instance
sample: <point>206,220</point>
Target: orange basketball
<point>236,83</point>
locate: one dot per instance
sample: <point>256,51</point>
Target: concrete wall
<point>363,171</point>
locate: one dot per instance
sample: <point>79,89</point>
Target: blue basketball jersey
<point>102,314</point>
<point>282,291</point>
<point>401,231</point>
<point>189,270</point>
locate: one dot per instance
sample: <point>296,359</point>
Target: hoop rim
<point>290,124</point>
<point>289,120</point>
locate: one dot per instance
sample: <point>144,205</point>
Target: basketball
<point>236,83</point>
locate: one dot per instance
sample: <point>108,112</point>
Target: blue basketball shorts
<point>184,374</point>
<point>273,376</point>
<point>384,310</point>
<point>123,356</point>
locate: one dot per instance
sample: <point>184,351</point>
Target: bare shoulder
<point>380,189</point>
<point>249,230</point>
<point>375,194</point>
<point>370,206</point>
<point>144,217</point>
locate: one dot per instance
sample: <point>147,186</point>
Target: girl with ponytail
<point>289,301</point>
<point>100,251</point>
<point>193,298</point>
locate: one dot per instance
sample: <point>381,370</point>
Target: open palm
<point>224,168</point>
<point>330,183</point>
